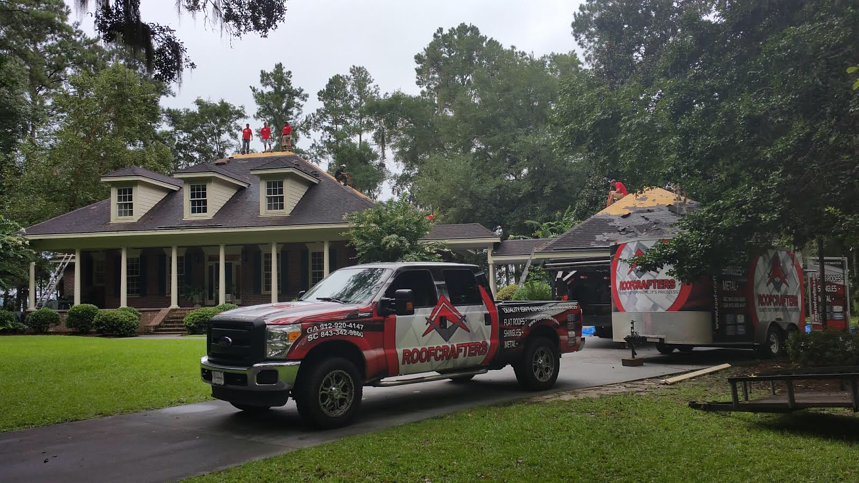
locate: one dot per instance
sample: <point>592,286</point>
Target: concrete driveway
<point>183,441</point>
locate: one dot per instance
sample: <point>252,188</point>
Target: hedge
<point>506,293</point>
<point>197,321</point>
<point>119,323</point>
<point>226,307</point>
<point>534,290</point>
<point>81,317</point>
<point>823,348</point>
<point>131,310</point>
<point>9,323</point>
<point>42,320</point>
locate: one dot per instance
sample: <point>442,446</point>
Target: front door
<point>233,277</point>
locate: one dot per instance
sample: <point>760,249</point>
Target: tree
<point>203,134</point>
<point>15,255</point>
<point>278,102</point>
<point>391,232</point>
<point>107,122</point>
<point>120,21</point>
<point>366,170</point>
<point>345,112</point>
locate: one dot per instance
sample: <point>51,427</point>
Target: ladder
<point>527,268</point>
<point>55,280</point>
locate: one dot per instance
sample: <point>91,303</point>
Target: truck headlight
<point>279,338</point>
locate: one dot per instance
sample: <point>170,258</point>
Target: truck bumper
<point>266,383</point>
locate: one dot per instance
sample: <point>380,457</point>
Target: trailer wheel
<point>329,395</point>
<point>250,409</point>
<point>663,348</point>
<point>773,344</point>
<point>537,369</point>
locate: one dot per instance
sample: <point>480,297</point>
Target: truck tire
<point>773,345</point>
<point>250,409</point>
<point>537,369</point>
<point>329,394</point>
<point>664,348</point>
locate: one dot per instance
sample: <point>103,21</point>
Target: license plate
<point>218,378</point>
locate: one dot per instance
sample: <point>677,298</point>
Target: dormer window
<point>124,202</point>
<point>199,205</point>
<point>274,195</point>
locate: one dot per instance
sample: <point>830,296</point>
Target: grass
<point>54,379</point>
<point>652,436</point>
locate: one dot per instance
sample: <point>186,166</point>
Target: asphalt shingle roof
<point>213,168</point>
<point>323,203</point>
<point>459,231</point>
<point>522,247</point>
<point>144,173</point>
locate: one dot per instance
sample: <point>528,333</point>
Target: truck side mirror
<point>402,303</point>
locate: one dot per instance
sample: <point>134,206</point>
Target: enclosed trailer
<point>756,305</point>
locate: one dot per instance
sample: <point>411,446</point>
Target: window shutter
<point>257,272</point>
<point>162,274</point>
<point>189,264</point>
<point>332,259</point>
<point>305,269</point>
<point>117,273</point>
<point>284,271</point>
<point>228,275</point>
<point>88,271</point>
<point>143,275</point>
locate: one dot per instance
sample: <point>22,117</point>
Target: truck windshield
<point>349,286</point>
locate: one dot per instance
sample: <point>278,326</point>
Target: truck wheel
<point>664,348</point>
<point>773,344</point>
<point>329,395</point>
<point>250,409</point>
<point>537,370</point>
<point>461,379</point>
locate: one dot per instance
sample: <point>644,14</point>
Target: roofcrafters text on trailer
<point>366,324</point>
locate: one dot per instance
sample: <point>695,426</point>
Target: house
<point>250,229</point>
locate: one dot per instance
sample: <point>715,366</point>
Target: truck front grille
<point>235,343</point>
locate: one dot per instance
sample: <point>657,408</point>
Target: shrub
<point>823,348</point>
<point>131,310</point>
<point>197,321</point>
<point>80,317</point>
<point>42,320</point>
<point>9,323</point>
<point>534,290</point>
<point>506,293</point>
<point>226,307</point>
<point>120,323</point>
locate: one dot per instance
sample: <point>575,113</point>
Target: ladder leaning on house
<point>55,280</point>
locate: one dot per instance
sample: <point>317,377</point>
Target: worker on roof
<point>247,135</point>
<point>286,137</point>
<point>616,191</point>
<point>341,175</point>
<point>265,134</point>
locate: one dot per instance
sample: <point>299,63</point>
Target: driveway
<point>183,441</point>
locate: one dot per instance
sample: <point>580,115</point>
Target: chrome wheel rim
<point>774,343</point>
<point>336,393</point>
<point>543,364</point>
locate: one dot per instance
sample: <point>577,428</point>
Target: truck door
<point>409,332</point>
<point>468,329</point>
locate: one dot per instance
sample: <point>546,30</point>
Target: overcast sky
<point>321,38</point>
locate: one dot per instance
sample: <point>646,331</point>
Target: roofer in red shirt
<point>286,137</point>
<point>247,135</point>
<point>617,191</point>
<point>265,134</point>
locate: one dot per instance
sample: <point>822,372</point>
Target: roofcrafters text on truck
<point>366,324</point>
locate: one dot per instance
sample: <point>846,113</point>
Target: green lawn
<point>53,379</point>
<point>628,437</point>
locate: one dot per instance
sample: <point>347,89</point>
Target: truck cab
<point>369,325</point>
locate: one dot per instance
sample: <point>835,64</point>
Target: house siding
<point>293,191</point>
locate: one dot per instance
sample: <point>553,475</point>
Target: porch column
<point>123,278</point>
<point>174,278</point>
<point>326,262</point>
<point>222,275</point>
<point>78,269</point>
<point>491,270</point>
<point>31,302</point>
<point>273,272</point>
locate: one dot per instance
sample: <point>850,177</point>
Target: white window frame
<point>125,201</point>
<point>132,279</point>
<point>275,195</point>
<point>198,187</point>
<point>320,271</point>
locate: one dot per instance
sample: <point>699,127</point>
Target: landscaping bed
<point>53,379</point>
<point>639,431</point>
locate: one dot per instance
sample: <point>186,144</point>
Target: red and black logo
<point>776,276</point>
<point>445,320</point>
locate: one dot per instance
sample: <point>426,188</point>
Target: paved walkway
<point>179,442</point>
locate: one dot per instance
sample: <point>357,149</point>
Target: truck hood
<point>290,312</point>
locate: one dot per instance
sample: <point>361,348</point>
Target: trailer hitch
<point>632,340</point>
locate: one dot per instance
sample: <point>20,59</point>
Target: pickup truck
<point>366,325</point>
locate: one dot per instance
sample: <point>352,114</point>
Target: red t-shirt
<point>265,132</point>
<point>246,133</point>
<point>619,187</point>
<point>287,129</point>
